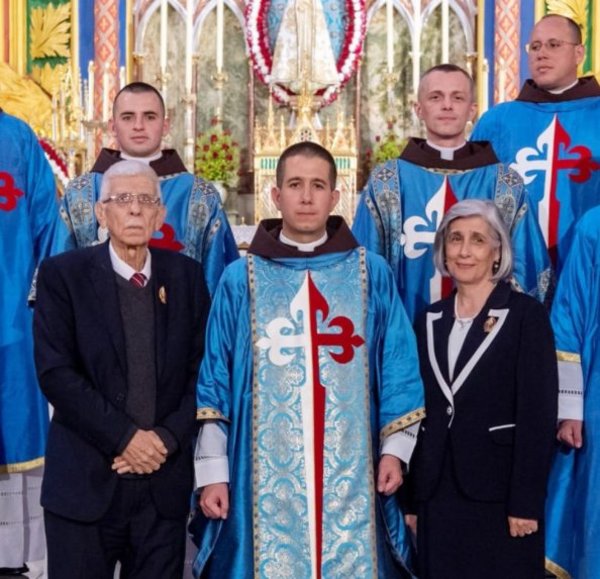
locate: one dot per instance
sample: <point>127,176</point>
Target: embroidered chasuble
<point>405,199</point>
<point>553,142</point>
<point>311,365</point>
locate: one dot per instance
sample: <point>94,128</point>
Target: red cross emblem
<point>554,153</point>
<point>307,309</point>
<point>9,192</point>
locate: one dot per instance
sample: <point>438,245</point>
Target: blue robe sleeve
<point>378,220</point>
<point>398,381</point>
<point>217,247</point>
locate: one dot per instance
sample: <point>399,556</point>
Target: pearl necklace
<point>463,323</point>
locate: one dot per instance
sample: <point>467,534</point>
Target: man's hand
<point>411,522</point>
<point>144,454</point>
<point>214,501</point>
<point>570,432</point>
<point>389,474</point>
<point>521,527</point>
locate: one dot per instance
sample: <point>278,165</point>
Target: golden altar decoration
<point>272,138</point>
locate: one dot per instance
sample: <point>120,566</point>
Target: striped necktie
<point>138,279</point>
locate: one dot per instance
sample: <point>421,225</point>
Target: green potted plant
<point>217,156</point>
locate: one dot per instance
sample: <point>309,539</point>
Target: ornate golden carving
<point>576,10</point>
<point>50,31</point>
<point>23,98</point>
<point>48,77</point>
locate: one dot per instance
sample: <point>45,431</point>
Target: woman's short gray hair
<point>488,211</point>
<point>128,168</point>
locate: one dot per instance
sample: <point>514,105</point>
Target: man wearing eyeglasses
<point>550,134</point>
<point>119,332</point>
<point>196,224</point>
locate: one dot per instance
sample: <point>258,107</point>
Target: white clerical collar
<point>146,160</point>
<point>561,90</point>
<point>311,246</point>
<point>446,153</point>
<point>123,269</point>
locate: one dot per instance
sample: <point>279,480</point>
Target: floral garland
<point>56,160</point>
<point>262,58</point>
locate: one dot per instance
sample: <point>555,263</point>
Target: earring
<point>495,267</point>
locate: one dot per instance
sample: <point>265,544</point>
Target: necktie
<point>138,279</point>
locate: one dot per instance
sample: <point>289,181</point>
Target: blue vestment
<point>195,224</point>
<point>405,199</point>
<point>281,324</point>
<point>553,142</point>
<point>30,230</point>
<point>573,505</point>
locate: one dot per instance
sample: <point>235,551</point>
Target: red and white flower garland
<point>56,160</point>
<point>262,57</point>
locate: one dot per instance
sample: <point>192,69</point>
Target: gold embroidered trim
<point>210,414</point>
<point>402,422</point>
<point>568,357</point>
<point>21,466</point>
<point>557,570</point>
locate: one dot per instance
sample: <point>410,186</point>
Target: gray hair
<point>488,211</point>
<point>129,168</point>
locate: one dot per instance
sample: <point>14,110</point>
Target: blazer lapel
<point>486,327</point>
<point>439,325</point>
<point>161,310</point>
<point>105,287</point>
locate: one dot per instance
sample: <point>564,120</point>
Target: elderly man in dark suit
<point>118,340</point>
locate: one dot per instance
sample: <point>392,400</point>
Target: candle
<point>163,35</point>
<point>501,84</point>
<point>220,31</point>
<point>54,120</point>
<point>122,77</point>
<point>390,34</point>
<point>445,31</point>
<point>90,101</point>
<point>105,93</point>
<point>485,69</point>
<point>189,32</point>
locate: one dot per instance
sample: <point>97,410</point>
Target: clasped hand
<point>144,454</point>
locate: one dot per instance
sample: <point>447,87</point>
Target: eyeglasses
<point>145,199</point>
<point>551,45</point>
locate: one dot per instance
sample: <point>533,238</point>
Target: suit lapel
<point>161,310</point>
<point>105,287</point>
<point>486,327</point>
<point>439,325</point>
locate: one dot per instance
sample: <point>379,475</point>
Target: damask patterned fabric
<point>404,202</point>
<point>298,346</point>
<point>553,142</point>
<point>195,224</point>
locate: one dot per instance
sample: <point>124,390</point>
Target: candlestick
<point>390,34</point>
<point>122,77</point>
<point>105,93</point>
<point>189,31</point>
<point>90,101</point>
<point>445,31</point>
<point>220,32</point>
<point>163,35</point>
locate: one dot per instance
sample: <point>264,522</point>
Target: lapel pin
<point>489,324</point>
<point>162,295</point>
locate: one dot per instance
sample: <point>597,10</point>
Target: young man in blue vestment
<point>196,224</point>
<point>573,506</point>
<point>405,199</point>
<point>550,135</point>
<point>30,230</point>
<point>309,396</point>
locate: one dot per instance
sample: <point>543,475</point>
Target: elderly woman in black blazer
<point>489,368</point>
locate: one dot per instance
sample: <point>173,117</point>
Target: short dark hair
<point>141,87</point>
<point>573,26</point>
<point>447,67</point>
<point>306,149</point>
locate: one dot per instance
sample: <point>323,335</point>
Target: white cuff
<point>211,464</point>
<point>401,444</point>
<point>570,391</point>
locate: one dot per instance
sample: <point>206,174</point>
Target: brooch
<point>162,295</point>
<point>489,324</point>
